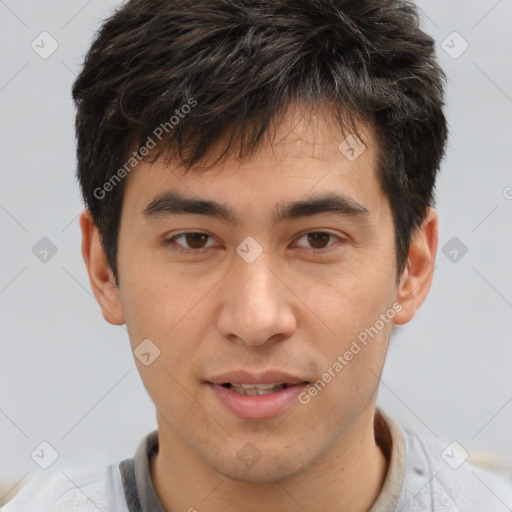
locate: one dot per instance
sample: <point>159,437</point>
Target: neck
<point>348,478</point>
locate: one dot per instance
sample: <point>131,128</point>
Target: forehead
<point>308,156</point>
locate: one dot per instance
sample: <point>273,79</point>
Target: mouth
<point>257,401</point>
<point>255,389</point>
<point>256,395</point>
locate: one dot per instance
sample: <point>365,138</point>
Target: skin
<point>292,310</point>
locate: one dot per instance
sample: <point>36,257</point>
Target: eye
<point>195,241</point>
<point>319,240</point>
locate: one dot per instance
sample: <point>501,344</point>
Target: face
<point>286,294</point>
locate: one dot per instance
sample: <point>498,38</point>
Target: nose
<point>257,304</point>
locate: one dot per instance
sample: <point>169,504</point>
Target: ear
<point>101,276</point>
<point>417,277</point>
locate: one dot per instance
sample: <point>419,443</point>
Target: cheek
<point>172,317</point>
<point>358,316</point>
<point>152,305</point>
<point>350,376</point>
<point>348,305</point>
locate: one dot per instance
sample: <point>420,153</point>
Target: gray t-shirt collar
<point>139,491</point>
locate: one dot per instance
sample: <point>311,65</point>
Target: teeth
<point>256,389</point>
<point>257,386</point>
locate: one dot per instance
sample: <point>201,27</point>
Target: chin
<point>261,473</point>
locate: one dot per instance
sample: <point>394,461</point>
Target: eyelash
<point>179,248</point>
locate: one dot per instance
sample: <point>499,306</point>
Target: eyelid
<point>168,240</point>
<point>326,231</point>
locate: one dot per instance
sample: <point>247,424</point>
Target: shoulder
<point>438,476</point>
<point>81,489</point>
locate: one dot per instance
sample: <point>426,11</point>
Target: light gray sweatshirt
<point>422,476</point>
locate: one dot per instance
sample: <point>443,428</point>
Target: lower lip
<point>257,407</point>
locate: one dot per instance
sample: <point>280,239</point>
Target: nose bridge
<point>255,306</point>
<point>255,280</point>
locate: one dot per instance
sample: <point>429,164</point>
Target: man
<point>259,182</point>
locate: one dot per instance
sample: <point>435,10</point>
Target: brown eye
<point>189,241</point>
<point>196,240</point>
<point>318,240</point>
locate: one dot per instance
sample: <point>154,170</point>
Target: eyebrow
<point>173,203</point>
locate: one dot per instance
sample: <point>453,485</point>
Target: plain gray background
<point>69,379</point>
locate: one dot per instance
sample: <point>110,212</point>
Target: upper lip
<point>245,377</point>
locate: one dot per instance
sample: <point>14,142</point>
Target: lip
<point>257,407</point>
<point>267,377</point>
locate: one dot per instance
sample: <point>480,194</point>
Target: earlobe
<point>100,274</point>
<point>417,276</point>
